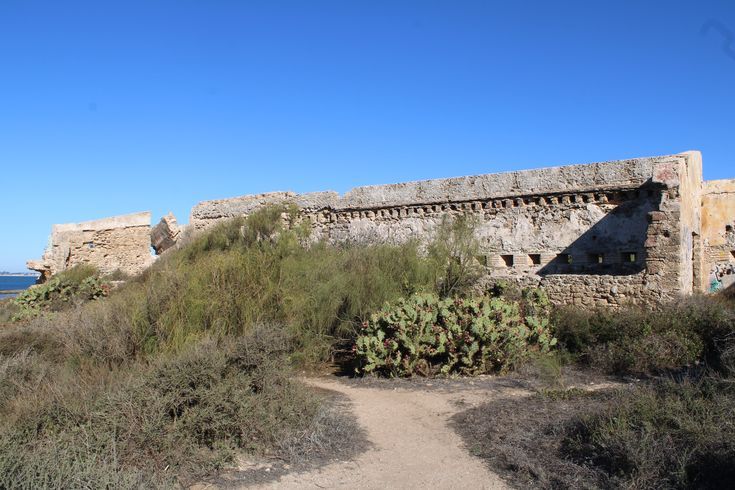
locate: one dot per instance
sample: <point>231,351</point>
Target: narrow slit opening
<point>630,257</point>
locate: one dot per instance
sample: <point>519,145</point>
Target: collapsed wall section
<point>110,244</point>
<point>596,234</point>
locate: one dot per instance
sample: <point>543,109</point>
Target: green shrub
<point>634,340</point>
<point>454,253</point>
<point>68,288</point>
<point>427,335</point>
<point>160,381</point>
<point>674,435</point>
<point>264,269</point>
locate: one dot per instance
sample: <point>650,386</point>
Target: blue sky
<point>115,107</point>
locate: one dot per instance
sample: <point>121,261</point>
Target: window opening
<point>507,260</point>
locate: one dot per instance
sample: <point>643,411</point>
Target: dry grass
<point>171,420</point>
<point>670,431</point>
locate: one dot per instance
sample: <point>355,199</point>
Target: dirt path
<point>412,444</point>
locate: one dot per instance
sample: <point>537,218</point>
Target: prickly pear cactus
<point>427,336</point>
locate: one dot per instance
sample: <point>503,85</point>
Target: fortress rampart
<point>643,230</point>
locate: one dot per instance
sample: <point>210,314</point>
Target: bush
<point>171,421</point>
<point>454,252</point>
<point>160,381</point>
<point>427,335</point>
<point>246,271</point>
<point>69,288</point>
<point>674,435</point>
<point>674,431</point>
<point>118,275</point>
<point>265,269</point>
<point>8,311</point>
<point>637,341</point>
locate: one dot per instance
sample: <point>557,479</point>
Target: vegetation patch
<point>674,429</point>
<point>71,287</point>
<point>427,335</point>
<point>168,422</point>
<point>521,438</point>
<point>669,435</point>
<point>160,382</point>
<point>676,336</point>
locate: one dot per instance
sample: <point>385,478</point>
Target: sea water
<point>15,283</point>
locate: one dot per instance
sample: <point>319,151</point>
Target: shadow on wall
<point>615,245</point>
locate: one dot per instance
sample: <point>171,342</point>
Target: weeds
<point>249,271</point>
<point>8,311</point>
<point>674,430</point>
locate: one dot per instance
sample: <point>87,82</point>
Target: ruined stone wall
<point>597,234</point>
<point>110,244</point>
<point>718,233</point>
<point>641,231</point>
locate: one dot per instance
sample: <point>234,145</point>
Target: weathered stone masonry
<point>597,234</point>
<point>718,233</point>
<point>642,230</point>
<point>110,244</point>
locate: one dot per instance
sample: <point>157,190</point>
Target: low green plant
<point>427,335</point>
<point>68,288</point>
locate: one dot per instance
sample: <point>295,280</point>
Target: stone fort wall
<point>642,230</point>
<point>595,234</point>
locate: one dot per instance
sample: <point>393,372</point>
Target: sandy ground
<point>412,445</point>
